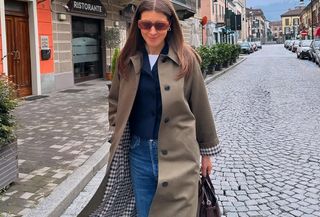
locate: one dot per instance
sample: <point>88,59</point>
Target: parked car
<point>290,45</point>
<point>303,49</point>
<point>254,46</point>
<point>259,45</point>
<point>245,48</point>
<point>295,45</point>
<point>286,44</point>
<point>314,50</point>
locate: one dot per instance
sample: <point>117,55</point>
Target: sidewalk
<point>62,151</point>
<point>56,135</point>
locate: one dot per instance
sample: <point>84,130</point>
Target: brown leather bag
<point>208,204</point>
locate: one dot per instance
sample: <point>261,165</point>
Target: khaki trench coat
<point>186,127</point>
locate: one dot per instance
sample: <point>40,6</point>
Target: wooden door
<point>18,47</point>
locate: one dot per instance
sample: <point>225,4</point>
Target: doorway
<point>18,46</point>
<point>86,49</point>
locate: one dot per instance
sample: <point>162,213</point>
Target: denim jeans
<point>143,157</point>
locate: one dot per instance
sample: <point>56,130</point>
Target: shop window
<point>86,49</point>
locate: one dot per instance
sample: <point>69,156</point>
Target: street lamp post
<point>225,19</point>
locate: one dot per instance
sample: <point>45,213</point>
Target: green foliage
<point>217,54</point>
<point>112,35</point>
<point>204,53</point>
<point>115,57</point>
<point>8,101</point>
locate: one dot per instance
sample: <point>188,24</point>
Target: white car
<point>303,49</point>
<point>258,43</point>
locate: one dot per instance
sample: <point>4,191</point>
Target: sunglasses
<point>158,25</point>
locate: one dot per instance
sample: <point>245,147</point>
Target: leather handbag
<point>207,204</point>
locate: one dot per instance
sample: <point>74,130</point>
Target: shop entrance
<point>86,49</point>
<point>18,46</point>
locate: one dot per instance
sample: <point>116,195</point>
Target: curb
<point>215,76</point>
<point>62,196</point>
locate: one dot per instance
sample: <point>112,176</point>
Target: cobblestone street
<point>267,116</point>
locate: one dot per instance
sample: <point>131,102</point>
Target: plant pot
<point>210,69</point>
<point>8,164</point>
<point>109,76</point>
<point>225,64</point>
<point>218,67</point>
<point>204,73</point>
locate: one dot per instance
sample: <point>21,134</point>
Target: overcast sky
<point>272,9</point>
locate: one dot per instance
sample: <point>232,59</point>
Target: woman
<point>162,122</point>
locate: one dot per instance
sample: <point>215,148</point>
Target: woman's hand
<point>206,165</point>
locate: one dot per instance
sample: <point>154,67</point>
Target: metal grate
<point>84,85</point>
<point>31,98</point>
<point>72,91</point>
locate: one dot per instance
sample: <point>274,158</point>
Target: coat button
<point>167,87</point>
<point>164,152</point>
<point>166,120</point>
<point>165,184</point>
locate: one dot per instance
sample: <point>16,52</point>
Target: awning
<point>317,32</point>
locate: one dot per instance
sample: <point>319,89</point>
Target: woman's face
<point>154,27</point>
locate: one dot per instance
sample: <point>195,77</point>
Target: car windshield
<point>244,45</point>
<point>316,43</point>
<point>306,43</point>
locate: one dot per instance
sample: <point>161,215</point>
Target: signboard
<point>44,40</point>
<point>92,7</point>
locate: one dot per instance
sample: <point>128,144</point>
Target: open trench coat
<point>186,129</point>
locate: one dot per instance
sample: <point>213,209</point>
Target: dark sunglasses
<point>158,25</point>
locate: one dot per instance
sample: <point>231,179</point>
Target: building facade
<point>290,23</point>
<point>276,30</point>
<point>241,10</point>
<point>225,20</point>
<point>50,45</point>
<point>256,25</point>
<point>310,20</point>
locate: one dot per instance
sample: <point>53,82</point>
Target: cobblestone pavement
<point>56,135</point>
<point>267,116</point>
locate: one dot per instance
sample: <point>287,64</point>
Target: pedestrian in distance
<point>159,108</point>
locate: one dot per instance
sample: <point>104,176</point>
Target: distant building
<point>310,20</point>
<point>256,25</point>
<point>290,23</point>
<point>276,30</point>
<point>225,21</point>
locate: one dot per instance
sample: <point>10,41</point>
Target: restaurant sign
<point>92,7</point>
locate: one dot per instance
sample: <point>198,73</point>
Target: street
<point>267,116</point>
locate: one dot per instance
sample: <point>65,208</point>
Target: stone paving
<point>267,116</point>
<point>56,135</point>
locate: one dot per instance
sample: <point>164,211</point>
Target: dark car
<point>245,48</point>
<point>314,50</point>
<point>303,49</point>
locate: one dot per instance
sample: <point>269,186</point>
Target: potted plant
<point>114,61</point>
<point>8,144</point>
<point>219,56</point>
<point>204,53</point>
<point>112,36</point>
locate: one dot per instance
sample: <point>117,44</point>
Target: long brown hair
<point>174,38</point>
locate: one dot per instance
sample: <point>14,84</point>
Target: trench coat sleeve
<point>199,104</point>
<point>113,99</point>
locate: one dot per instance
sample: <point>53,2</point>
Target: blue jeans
<point>143,157</point>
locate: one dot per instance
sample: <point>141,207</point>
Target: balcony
<point>184,8</point>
